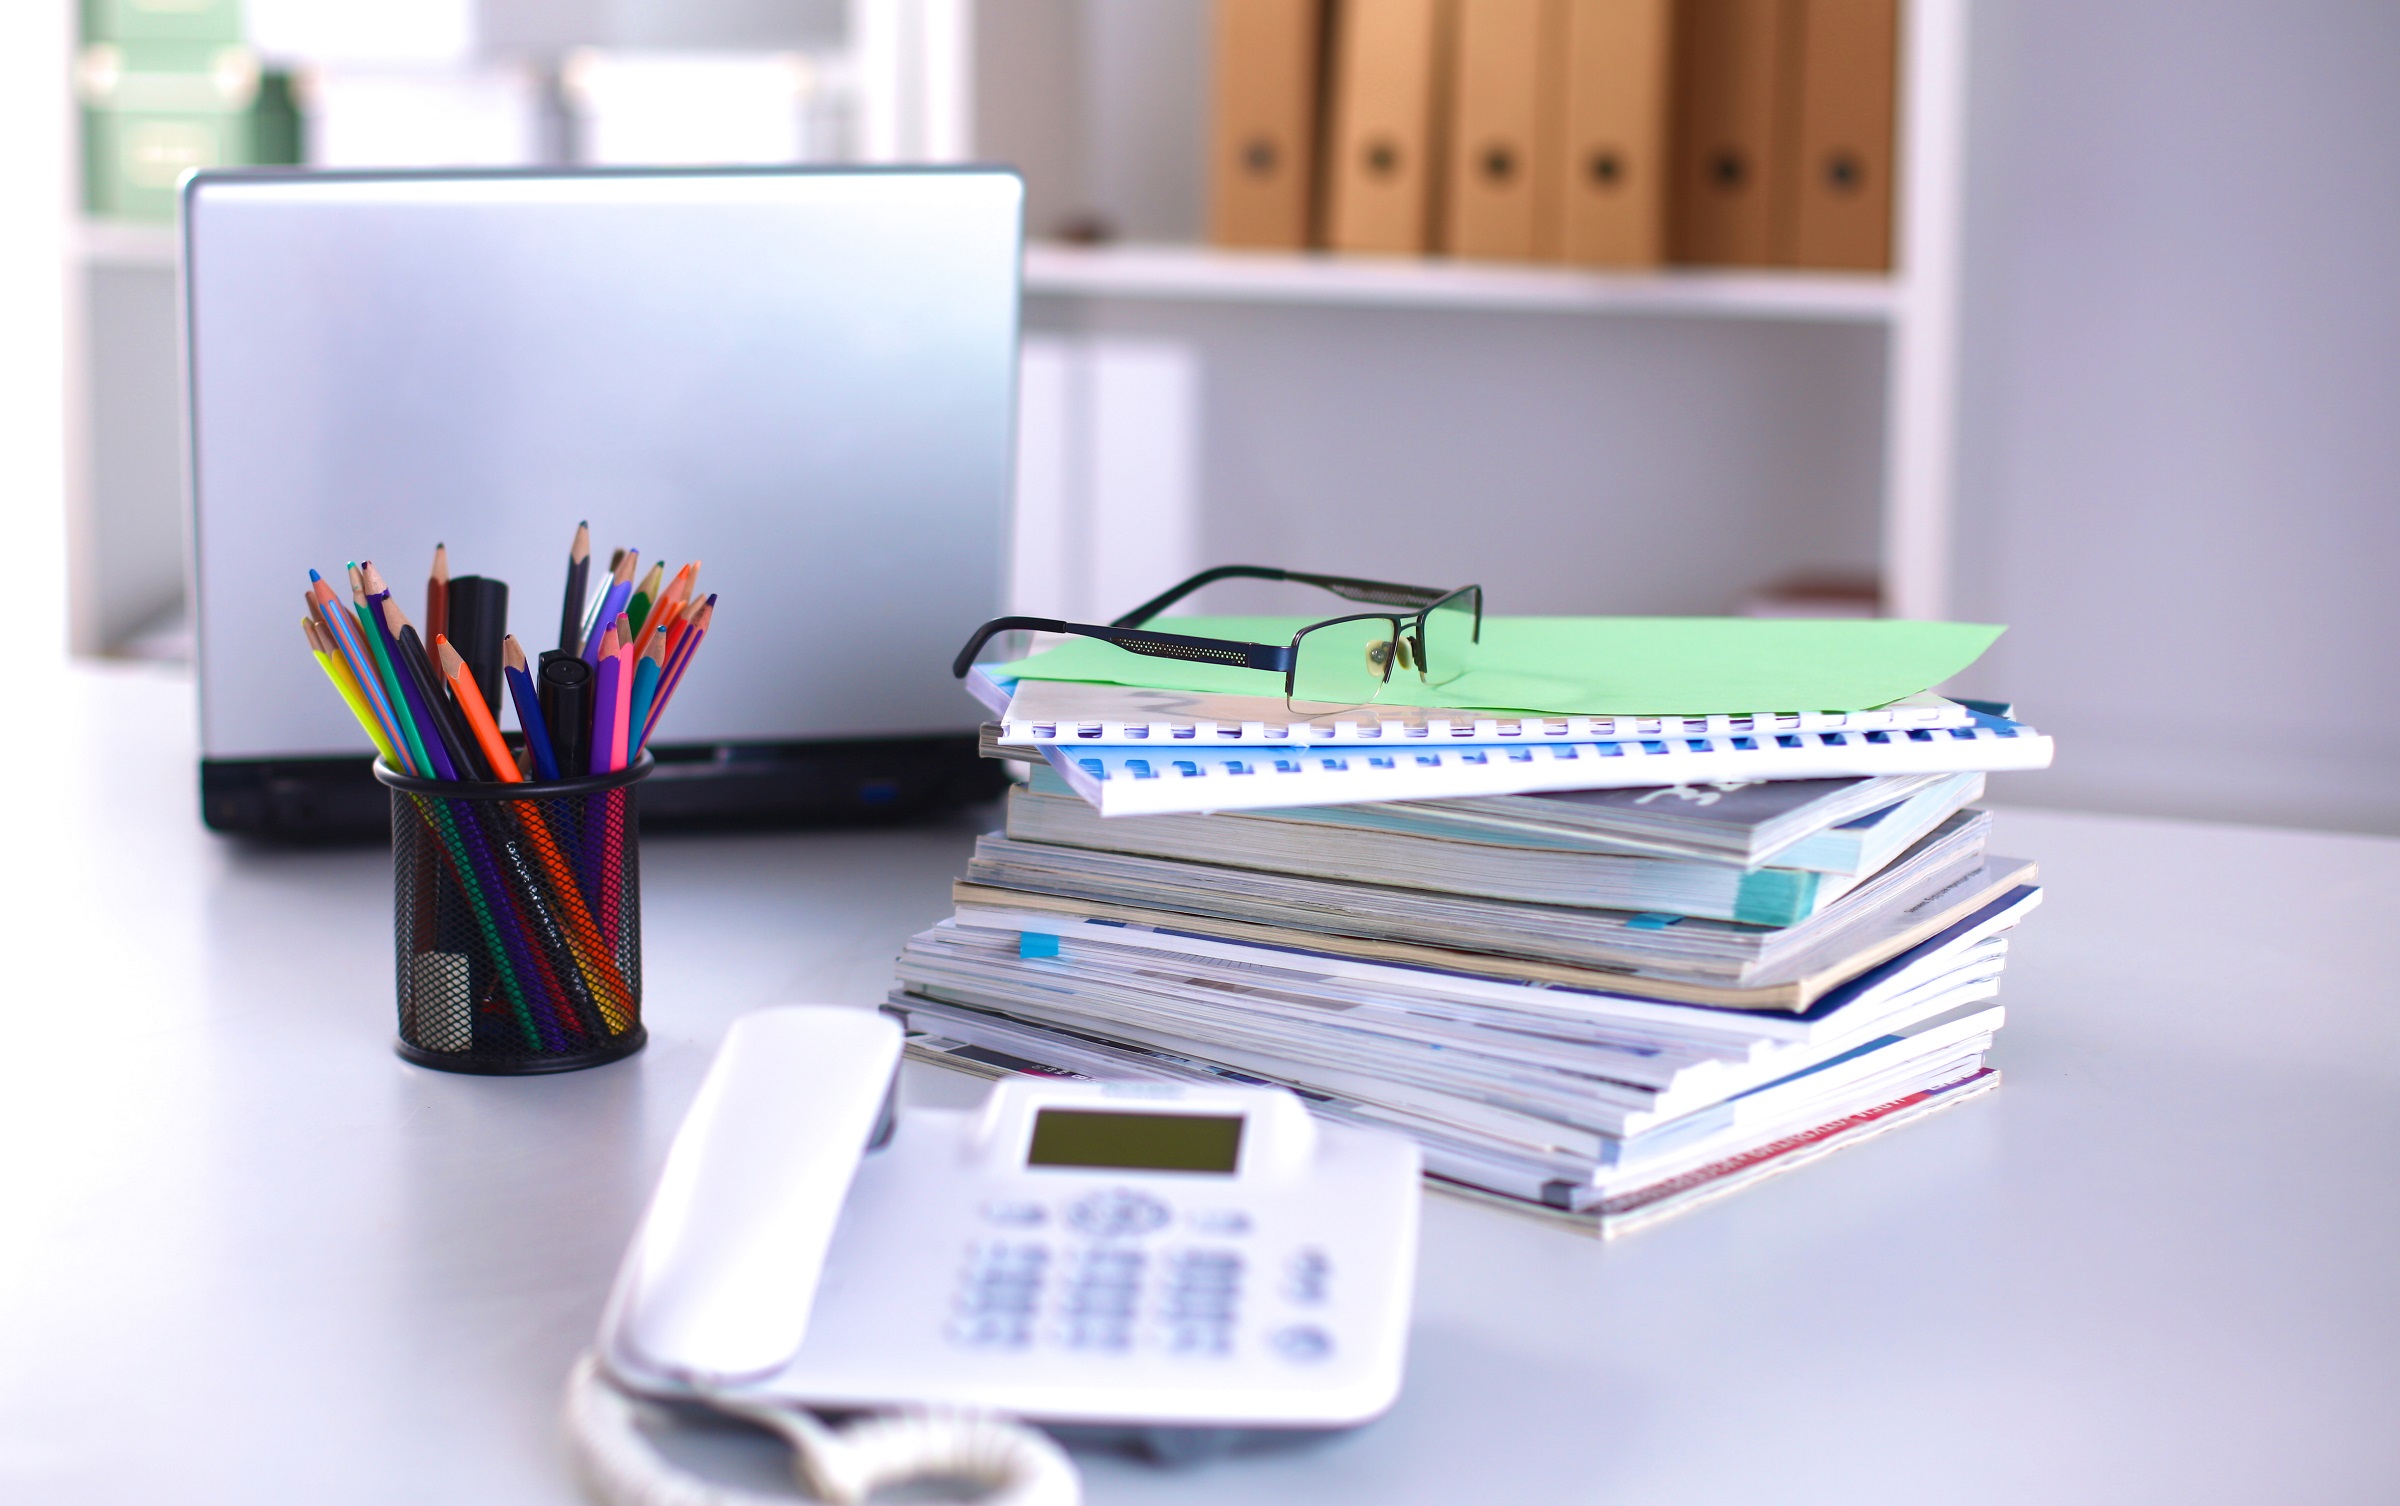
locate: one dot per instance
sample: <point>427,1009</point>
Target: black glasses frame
<point>1127,632</point>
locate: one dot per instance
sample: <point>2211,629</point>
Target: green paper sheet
<point>1594,666</point>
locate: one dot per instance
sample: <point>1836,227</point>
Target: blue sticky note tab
<point>1651,922</point>
<point>1035,944</point>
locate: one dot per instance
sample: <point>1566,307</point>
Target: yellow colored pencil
<point>339,674</point>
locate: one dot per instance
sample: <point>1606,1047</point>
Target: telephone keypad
<point>1001,1294</point>
<point>1101,1299</point>
<point>1108,1297</point>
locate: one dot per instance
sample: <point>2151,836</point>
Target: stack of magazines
<point>1601,1004</point>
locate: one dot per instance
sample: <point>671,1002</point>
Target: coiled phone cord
<point>621,1467</point>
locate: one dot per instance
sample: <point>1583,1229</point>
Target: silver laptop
<point>803,378</point>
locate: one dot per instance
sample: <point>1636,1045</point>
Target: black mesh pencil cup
<point>517,918</point>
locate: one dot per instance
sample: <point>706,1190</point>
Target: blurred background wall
<point>2176,469</point>
<point>2180,478</point>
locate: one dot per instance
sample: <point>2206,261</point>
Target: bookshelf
<point>1912,311</point>
<point>1204,274</point>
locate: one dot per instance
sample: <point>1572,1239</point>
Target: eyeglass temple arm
<point>1178,592</point>
<point>1267,656</point>
<point>1349,588</point>
<point>1382,593</point>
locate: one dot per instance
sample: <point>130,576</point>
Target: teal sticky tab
<point>1035,944</point>
<point>1651,922</point>
<point>1776,897</point>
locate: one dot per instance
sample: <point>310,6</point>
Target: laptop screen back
<point>803,379</point>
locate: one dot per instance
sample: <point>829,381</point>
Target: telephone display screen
<point>1136,1142</point>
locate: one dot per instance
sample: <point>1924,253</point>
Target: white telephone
<point>1075,1253</point>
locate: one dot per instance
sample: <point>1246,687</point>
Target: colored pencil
<point>621,731</point>
<point>646,670</point>
<point>638,606</point>
<point>620,591</point>
<point>529,709</point>
<point>379,641</point>
<point>604,713</point>
<point>437,593</point>
<point>457,741</point>
<point>422,690</point>
<point>335,671</point>
<point>568,966</point>
<point>681,630</point>
<point>423,735</point>
<point>593,620</point>
<point>681,662</point>
<point>579,566</point>
<point>579,958</point>
<point>506,955</point>
<point>330,617</point>
<point>468,696</point>
<point>344,633</point>
<point>669,609</point>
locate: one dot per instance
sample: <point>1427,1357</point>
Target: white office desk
<point>247,1255</point>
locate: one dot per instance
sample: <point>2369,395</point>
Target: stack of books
<point>1604,1004</point>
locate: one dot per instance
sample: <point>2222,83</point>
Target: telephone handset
<point>1108,1253</point>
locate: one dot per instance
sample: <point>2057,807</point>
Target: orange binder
<point>1846,67</point>
<point>1263,149</point>
<point>1616,65</point>
<point>1500,199</point>
<point>1729,191</point>
<point>1385,141</point>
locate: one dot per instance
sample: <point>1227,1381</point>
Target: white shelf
<point>1208,274</point>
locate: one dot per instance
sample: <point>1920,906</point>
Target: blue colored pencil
<point>645,687</point>
<point>529,708</point>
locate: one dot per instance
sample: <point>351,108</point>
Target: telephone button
<point>1302,1342</point>
<point>1307,1277</point>
<point>1016,1215</point>
<point>1200,1337</point>
<point>1117,1213</point>
<point>1222,1221</point>
<point>1114,1334</point>
<point>993,1331</point>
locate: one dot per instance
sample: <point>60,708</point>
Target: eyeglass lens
<point>1346,663</point>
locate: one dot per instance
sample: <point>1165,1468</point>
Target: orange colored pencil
<point>668,607</point>
<point>469,696</point>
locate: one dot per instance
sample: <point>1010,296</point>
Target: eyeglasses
<point>1340,662</point>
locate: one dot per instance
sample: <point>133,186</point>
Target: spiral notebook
<point>1067,711</point>
<point>1138,780</point>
